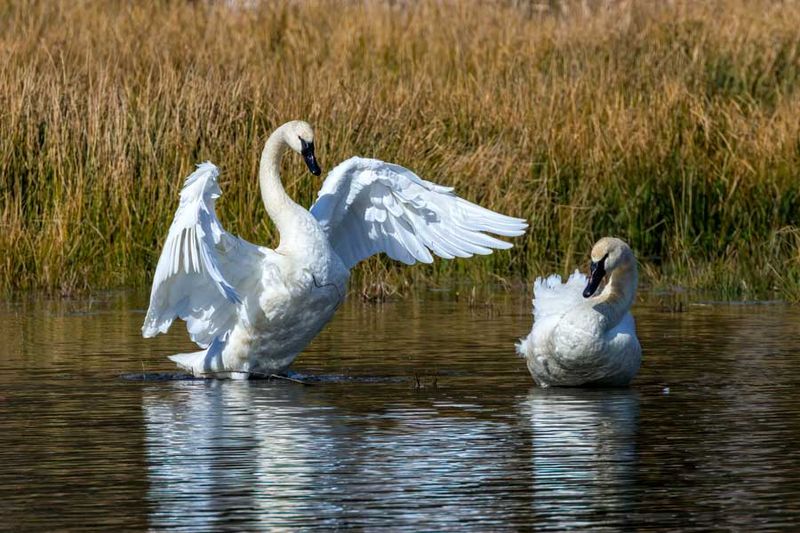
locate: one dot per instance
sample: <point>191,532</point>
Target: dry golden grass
<point>674,125</point>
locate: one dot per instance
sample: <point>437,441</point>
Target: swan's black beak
<point>597,271</point>
<point>309,157</point>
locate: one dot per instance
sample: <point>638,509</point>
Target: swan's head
<point>608,254</point>
<point>299,136</point>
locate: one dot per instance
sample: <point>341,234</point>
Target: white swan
<point>253,309</point>
<point>581,339</point>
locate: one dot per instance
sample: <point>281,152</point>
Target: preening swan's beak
<point>597,271</point>
<point>309,157</point>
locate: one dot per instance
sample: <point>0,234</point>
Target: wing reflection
<point>218,449</point>
<point>583,454</point>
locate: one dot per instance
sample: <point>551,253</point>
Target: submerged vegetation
<point>673,125</point>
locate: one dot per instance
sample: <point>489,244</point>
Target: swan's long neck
<point>280,208</point>
<point>618,294</point>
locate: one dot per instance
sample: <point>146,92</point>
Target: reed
<point>673,125</point>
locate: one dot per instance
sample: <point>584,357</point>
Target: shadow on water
<point>419,415</point>
<point>300,378</point>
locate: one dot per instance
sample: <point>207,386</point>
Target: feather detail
<point>203,270</point>
<point>367,206</point>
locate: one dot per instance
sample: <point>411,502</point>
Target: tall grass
<point>673,125</point>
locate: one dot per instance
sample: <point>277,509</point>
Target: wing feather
<point>203,270</point>
<point>367,206</point>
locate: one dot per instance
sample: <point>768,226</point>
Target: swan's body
<point>581,339</point>
<point>253,309</point>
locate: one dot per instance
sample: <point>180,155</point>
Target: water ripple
<point>405,427</point>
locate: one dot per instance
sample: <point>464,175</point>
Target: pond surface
<point>420,416</point>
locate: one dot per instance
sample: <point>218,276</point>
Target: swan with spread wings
<point>252,309</point>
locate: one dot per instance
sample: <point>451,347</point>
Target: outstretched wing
<point>203,271</point>
<point>367,206</point>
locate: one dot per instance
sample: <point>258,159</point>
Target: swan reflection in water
<point>583,454</point>
<point>262,455</point>
<point>217,449</point>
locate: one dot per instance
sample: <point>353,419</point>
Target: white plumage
<point>252,310</point>
<point>581,339</point>
<point>367,207</point>
<point>201,266</point>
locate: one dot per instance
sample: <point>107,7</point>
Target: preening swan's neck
<point>618,294</point>
<point>280,208</point>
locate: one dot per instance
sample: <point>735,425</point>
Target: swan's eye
<point>306,148</point>
<point>597,273</point>
<point>595,265</point>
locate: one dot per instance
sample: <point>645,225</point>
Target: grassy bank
<point>673,125</point>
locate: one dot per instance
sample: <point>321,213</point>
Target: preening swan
<point>582,339</point>
<point>251,309</point>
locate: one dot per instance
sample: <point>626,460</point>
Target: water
<point>419,416</point>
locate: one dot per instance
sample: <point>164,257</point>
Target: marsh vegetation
<point>673,125</point>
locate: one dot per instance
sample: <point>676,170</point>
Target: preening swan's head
<point>299,136</point>
<point>608,254</point>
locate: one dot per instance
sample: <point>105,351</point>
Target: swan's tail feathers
<point>193,362</point>
<point>205,363</point>
<point>524,347</point>
<point>551,297</point>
